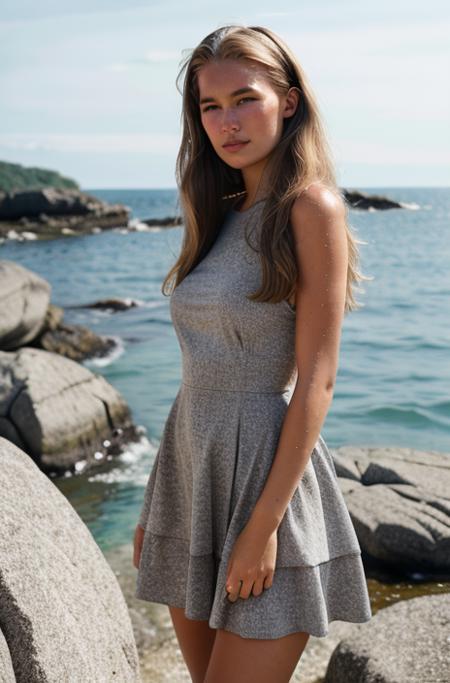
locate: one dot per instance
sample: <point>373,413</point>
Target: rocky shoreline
<point>52,213</point>
<point>66,417</point>
<point>80,600</point>
<point>57,416</point>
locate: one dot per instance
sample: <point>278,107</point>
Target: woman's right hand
<point>138,539</point>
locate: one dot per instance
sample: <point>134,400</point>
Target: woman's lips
<point>236,147</point>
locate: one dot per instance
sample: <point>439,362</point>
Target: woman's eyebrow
<point>240,91</point>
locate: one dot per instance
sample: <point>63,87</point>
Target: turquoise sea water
<point>393,384</point>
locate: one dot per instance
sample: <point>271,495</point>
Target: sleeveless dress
<point>216,450</point>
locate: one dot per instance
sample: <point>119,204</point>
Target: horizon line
<point>347,186</point>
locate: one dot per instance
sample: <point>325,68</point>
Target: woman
<point>244,532</point>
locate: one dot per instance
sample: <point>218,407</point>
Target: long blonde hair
<point>204,180</point>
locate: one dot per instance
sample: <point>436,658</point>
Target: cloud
<point>150,58</point>
<point>161,56</point>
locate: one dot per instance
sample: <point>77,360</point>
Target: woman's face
<point>254,117</point>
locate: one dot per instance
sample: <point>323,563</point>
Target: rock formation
<point>406,642</point>
<point>62,414</point>
<point>63,616</point>
<point>53,212</point>
<point>399,502</point>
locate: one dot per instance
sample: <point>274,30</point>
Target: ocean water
<point>393,383</point>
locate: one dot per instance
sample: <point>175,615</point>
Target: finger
<point>233,590</point>
<point>246,589</point>
<point>268,581</point>
<point>138,541</point>
<point>258,586</point>
<point>136,555</point>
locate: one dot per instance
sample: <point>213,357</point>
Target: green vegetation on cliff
<point>18,177</point>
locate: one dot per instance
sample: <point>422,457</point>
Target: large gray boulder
<point>6,665</point>
<point>62,414</point>
<point>24,299</point>
<point>399,502</point>
<point>408,642</point>
<point>63,616</point>
<point>28,318</point>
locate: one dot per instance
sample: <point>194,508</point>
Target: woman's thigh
<point>245,660</point>
<point>196,640</point>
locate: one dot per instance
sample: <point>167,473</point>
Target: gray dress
<point>216,450</point>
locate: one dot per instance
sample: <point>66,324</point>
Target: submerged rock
<point>72,341</point>
<point>167,222</point>
<point>112,305</point>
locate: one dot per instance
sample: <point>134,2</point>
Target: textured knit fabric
<point>216,450</point>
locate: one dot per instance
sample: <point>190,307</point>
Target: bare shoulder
<point>316,206</point>
<point>317,219</point>
<point>318,222</point>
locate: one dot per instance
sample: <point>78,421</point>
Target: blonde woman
<point>244,532</point>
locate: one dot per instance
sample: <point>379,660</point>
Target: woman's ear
<point>291,101</point>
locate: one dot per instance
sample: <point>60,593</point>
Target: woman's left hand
<point>252,560</point>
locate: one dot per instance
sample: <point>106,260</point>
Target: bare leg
<point>245,660</point>
<point>196,640</point>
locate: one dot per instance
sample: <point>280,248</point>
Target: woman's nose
<point>229,120</point>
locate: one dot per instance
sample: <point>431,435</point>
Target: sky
<point>88,88</point>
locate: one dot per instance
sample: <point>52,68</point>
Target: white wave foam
<point>110,357</point>
<point>131,465</point>
<point>412,206</point>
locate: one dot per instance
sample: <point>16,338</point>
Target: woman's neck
<point>255,183</point>
<point>243,203</point>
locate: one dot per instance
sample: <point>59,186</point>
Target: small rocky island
<point>37,203</point>
<point>53,212</point>
<point>362,200</point>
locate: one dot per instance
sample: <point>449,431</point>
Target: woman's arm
<point>318,224</point>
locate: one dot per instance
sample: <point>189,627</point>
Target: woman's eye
<point>213,105</point>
